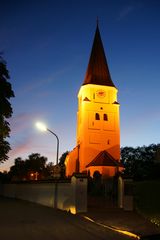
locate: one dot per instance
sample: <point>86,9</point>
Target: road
<point>29,221</point>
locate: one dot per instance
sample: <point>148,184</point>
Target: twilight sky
<point>47,45</point>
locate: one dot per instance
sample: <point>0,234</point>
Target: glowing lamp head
<point>41,126</point>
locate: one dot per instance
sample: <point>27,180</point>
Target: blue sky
<point>47,46</point>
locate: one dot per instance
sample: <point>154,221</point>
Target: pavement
<point>29,221</point>
<point>20,219</point>
<point>106,214</point>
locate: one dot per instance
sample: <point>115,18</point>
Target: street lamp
<point>41,126</point>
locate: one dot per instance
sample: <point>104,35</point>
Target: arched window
<point>97,116</point>
<point>105,117</point>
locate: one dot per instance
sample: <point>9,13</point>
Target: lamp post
<point>43,127</point>
<point>57,144</point>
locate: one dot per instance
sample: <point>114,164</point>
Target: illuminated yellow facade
<point>98,123</point>
<point>98,130</point>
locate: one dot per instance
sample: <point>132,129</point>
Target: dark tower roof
<point>98,71</point>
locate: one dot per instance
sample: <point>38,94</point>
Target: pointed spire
<point>97,21</point>
<point>98,71</point>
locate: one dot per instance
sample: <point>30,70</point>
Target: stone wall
<point>69,196</point>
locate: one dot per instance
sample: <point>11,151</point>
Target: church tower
<point>98,130</point>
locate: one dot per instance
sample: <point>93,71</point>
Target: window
<point>97,116</point>
<point>105,117</point>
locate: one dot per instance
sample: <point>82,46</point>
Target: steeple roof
<point>98,71</point>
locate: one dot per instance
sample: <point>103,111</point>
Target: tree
<point>139,162</point>
<point>62,158</point>
<point>4,178</point>
<point>6,93</point>
<point>18,170</point>
<point>34,165</point>
<point>62,163</point>
<point>36,162</point>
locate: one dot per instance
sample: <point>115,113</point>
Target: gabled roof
<point>98,71</point>
<point>104,159</point>
<point>86,99</point>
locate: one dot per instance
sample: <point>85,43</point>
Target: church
<point>98,125</point>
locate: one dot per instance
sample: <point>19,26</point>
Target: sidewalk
<point>117,218</point>
<point>30,221</point>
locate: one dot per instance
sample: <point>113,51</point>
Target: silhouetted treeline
<point>34,167</point>
<point>141,162</point>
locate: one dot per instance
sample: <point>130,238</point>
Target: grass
<point>147,199</point>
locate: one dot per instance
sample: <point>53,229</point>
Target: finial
<point>97,21</point>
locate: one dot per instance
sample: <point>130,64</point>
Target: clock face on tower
<point>100,93</point>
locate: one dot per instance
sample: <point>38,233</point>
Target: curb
<point>130,234</point>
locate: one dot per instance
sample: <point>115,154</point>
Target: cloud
<point>23,148</point>
<point>125,11</point>
<point>24,138</point>
<point>21,136</point>
<point>38,83</point>
<point>20,148</point>
<point>21,122</point>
